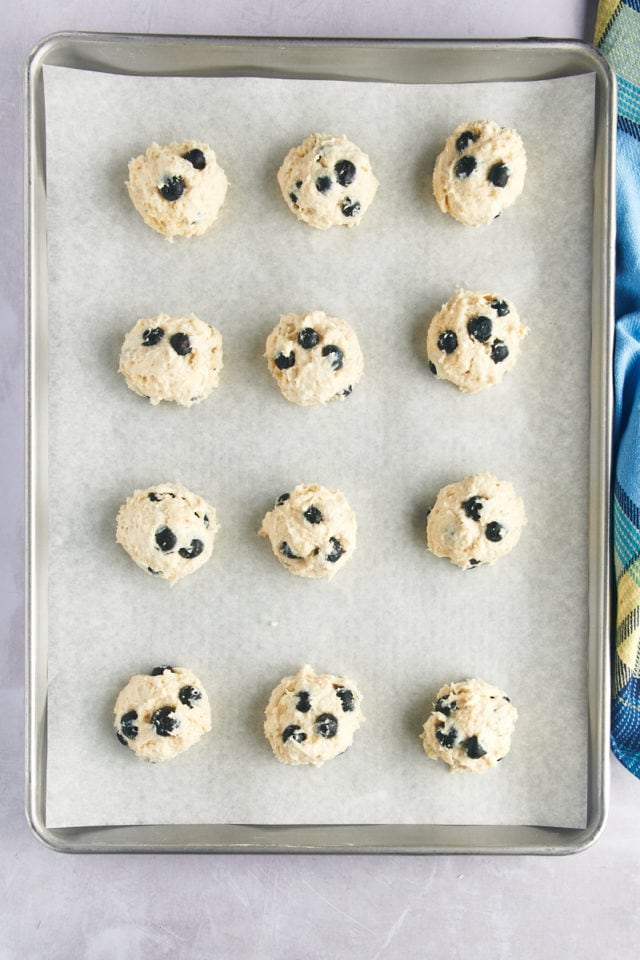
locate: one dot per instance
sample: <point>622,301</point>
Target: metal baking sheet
<point>386,61</point>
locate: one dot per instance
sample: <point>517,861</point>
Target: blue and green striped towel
<point>618,37</point>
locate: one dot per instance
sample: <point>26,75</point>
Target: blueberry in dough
<point>311,718</point>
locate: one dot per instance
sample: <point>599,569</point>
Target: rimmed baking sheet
<point>396,619</point>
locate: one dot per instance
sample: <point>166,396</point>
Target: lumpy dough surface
<point>314,358</point>
<point>312,718</point>
<point>470,727</point>
<point>167,530</point>
<point>476,520</point>
<point>312,531</point>
<point>474,339</point>
<point>327,182</point>
<point>162,713</point>
<point>480,172</point>
<point>177,359</point>
<point>178,190</point>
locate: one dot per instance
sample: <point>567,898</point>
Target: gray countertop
<point>251,907</point>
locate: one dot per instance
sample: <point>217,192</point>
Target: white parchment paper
<point>397,620</point>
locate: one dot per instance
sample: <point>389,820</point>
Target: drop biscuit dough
<point>480,172</point>
<point>178,189</point>
<point>470,727</point>
<point>161,714</point>
<point>311,718</point>
<point>474,339</point>
<point>312,531</point>
<point>327,181</point>
<point>175,359</point>
<point>475,521</point>
<point>167,530</point>
<point>314,358</point>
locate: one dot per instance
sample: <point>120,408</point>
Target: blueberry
<point>283,362</point>
<point>157,497</point>
<point>303,703</point>
<point>128,725</point>
<point>472,507</point>
<point>346,698</point>
<point>158,671</point>
<point>205,520</point>
<point>500,306</point>
<point>121,739</point>
<point>189,695</point>
<point>152,337</point>
<point>445,706</point>
<point>447,739</point>
<point>196,158</point>
<point>464,140</point>
<point>282,499</point>
<point>194,550</point>
<point>156,573</point>
<point>432,367</point>
<point>473,562</point>
<point>345,172</point>
<point>336,354</point>
<point>499,351</point>
<point>494,531</point>
<point>165,539</point>
<point>172,188</point>
<point>347,391</point>
<point>293,732</point>
<point>498,175</point>
<point>312,515</point>
<point>308,338</point>
<point>464,167</point>
<point>349,207</point>
<point>287,552</point>
<point>473,748</point>
<point>479,328</point>
<point>323,184</point>
<point>326,725</point>
<point>165,721</point>
<point>294,199</point>
<point>447,341</point>
<point>298,184</point>
<point>336,551</point>
<point>181,344</point>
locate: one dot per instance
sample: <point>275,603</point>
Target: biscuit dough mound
<point>161,714</point>
<point>327,181</point>
<point>476,520</point>
<point>312,531</point>
<point>474,339</point>
<point>312,718</point>
<point>167,530</point>
<point>178,189</point>
<point>314,358</point>
<point>176,359</point>
<point>470,727</point>
<point>480,172</point>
